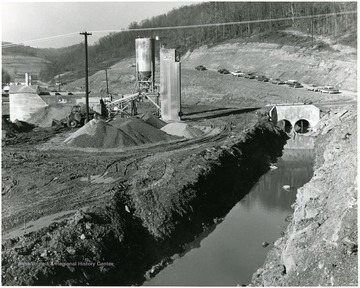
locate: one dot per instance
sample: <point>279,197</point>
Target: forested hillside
<point>116,46</point>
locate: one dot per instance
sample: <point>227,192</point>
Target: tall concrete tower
<point>170,84</point>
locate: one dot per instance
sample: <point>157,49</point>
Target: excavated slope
<point>307,65</point>
<point>333,65</point>
<point>319,247</point>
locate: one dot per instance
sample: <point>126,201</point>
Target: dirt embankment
<point>169,198</point>
<point>285,54</point>
<point>321,242</point>
<point>18,65</point>
<point>331,65</point>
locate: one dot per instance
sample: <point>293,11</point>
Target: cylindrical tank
<point>145,57</point>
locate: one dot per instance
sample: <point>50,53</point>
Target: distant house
<point>5,91</point>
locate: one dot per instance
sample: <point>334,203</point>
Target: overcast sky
<point>24,21</point>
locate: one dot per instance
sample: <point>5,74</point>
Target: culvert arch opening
<point>285,125</point>
<point>302,126</point>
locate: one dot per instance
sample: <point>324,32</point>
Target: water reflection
<point>233,251</point>
<point>294,169</point>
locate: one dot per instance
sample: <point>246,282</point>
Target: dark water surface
<point>231,251</point>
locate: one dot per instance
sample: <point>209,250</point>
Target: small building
<point>5,91</point>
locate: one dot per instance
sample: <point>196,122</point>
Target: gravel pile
<point>140,131</point>
<point>119,133</point>
<point>182,130</point>
<point>152,120</point>
<point>99,134</point>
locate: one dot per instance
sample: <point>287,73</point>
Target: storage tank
<point>145,58</point>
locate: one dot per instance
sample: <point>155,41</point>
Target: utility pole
<point>86,74</point>
<point>59,83</point>
<point>312,26</point>
<point>107,86</point>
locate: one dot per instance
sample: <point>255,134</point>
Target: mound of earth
<point>119,133</point>
<point>140,131</point>
<point>181,130</point>
<point>152,120</point>
<point>45,116</point>
<point>12,128</point>
<point>99,134</point>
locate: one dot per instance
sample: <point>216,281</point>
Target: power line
<point>185,27</point>
<point>225,24</point>
<point>39,40</point>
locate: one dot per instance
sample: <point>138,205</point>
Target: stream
<point>229,252</point>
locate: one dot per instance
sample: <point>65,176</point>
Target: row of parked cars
<point>277,81</point>
<point>290,83</point>
<point>322,89</point>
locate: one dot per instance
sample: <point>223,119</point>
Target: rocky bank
<point>320,245</point>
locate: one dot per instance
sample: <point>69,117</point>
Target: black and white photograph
<point>179,143</point>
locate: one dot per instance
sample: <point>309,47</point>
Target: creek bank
<point>320,244</point>
<point>148,218</point>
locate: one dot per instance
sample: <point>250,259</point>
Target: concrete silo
<point>145,63</point>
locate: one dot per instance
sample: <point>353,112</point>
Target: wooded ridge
<point>116,46</point>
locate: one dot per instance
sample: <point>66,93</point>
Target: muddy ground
<point>115,217</point>
<point>57,216</point>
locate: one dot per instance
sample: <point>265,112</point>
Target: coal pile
<point>119,133</point>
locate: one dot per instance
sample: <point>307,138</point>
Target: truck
<point>77,116</point>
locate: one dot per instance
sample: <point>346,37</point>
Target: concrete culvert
<point>302,126</point>
<point>285,125</point>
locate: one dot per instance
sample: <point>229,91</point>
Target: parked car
<point>318,88</point>
<point>262,78</point>
<point>238,73</point>
<point>249,75</point>
<point>329,90</point>
<point>223,71</point>
<point>291,83</point>
<point>277,81</point>
<point>311,87</point>
<point>200,68</point>
<point>298,85</point>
